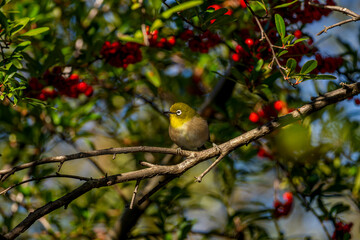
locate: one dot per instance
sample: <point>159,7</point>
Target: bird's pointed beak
<point>168,112</point>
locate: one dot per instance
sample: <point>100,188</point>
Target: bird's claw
<point>179,151</point>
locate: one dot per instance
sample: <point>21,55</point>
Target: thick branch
<point>175,170</point>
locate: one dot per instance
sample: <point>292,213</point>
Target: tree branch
<point>57,175</point>
<point>354,16</point>
<point>317,104</point>
<point>5,173</point>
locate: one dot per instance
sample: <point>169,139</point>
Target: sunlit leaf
<point>180,7</point>
<point>308,66</point>
<point>34,32</point>
<point>280,25</point>
<point>285,4</point>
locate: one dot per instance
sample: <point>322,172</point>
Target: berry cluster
<point>282,209</point>
<point>342,231</point>
<point>304,12</point>
<point>327,64</point>
<point>154,41</point>
<point>121,55</point>
<point>240,53</point>
<point>255,50</point>
<point>217,7</point>
<point>53,84</point>
<point>200,43</point>
<point>269,112</point>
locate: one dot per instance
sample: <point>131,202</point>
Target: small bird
<point>187,129</point>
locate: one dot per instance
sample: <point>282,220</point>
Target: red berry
<point>261,113</point>
<point>297,33</point>
<point>229,12</point>
<point>279,105</point>
<point>235,57</point>
<point>239,49</point>
<point>249,42</point>
<point>42,97</point>
<point>253,117</point>
<point>214,6</point>
<point>89,91</point>
<point>74,77</point>
<point>242,3</point>
<point>288,196</point>
<point>357,101</point>
<point>49,93</point>
<point>171,40</point>
<point>82,86</point>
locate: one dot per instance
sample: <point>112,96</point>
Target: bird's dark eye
<point>178,112</point>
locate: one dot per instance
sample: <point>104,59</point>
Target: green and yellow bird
<point>187,129</point>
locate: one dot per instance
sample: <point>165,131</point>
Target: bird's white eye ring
<point>178,112</point>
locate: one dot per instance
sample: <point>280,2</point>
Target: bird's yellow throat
<point>176,121</point>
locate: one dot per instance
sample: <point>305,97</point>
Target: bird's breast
<point>190,135</point>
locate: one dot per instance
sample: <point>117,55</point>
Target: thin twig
<point>199,178</point>
<point>354,16</point>
<point>42,178</point>
<point>337,25</point>
<point>134,194</point>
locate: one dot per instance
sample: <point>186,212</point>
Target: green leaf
<point>356,187</point>
<point>308,67</point>
<point>3,21</point>
<point>338,208</point>
<point>280,25</point>
<point>21,23</point>
<point>135,6</point>
<point>285,4</point>
<point>259,65</point>
<point>128,38</point>
<point>288,39</point>
<point>156,25</point>
<point>21,46</point>
<point>156,4</point>
<point>180,7</point>
<point>282,53</point>
<point>291,64</point>
<point>17,63</point>
<point>153,76</point>
<point>35,31</point>
<point>323,77</point>
<point>300,40</point>
<point>261,5</point>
